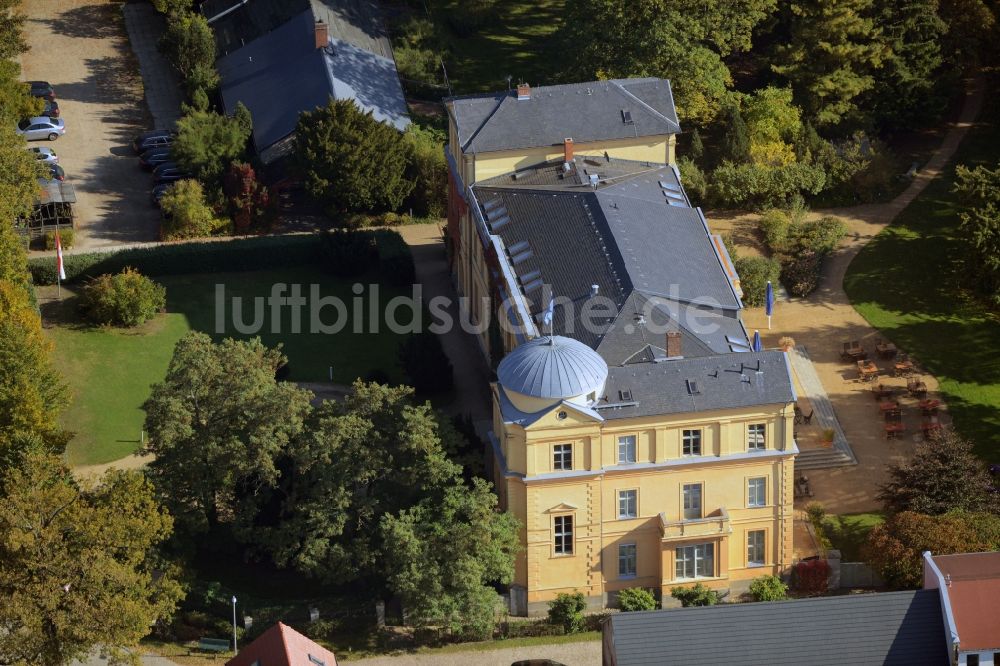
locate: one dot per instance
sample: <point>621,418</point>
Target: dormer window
<point>625,395</point>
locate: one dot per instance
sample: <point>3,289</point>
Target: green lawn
<point>907,283</point>
<point>109,371</point>
<point>518,42</point>
<point>848,532</point>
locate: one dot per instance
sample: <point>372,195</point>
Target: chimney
<point>523,91</point>
<point>322,34</point>
<point>673,344</point>
<point>594,290</point>
<point>568,149</point>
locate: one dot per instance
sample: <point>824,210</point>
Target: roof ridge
<point>646,104</point>
<point>485,122</point>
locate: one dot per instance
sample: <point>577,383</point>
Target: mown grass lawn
<point>848,532</point>
<point>907,282</point>
<point>109,371</point>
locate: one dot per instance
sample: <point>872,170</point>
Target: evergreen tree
<point>736,140</point>
<point>207,142</point>
<point>697,149</point>
<point>833,51</point>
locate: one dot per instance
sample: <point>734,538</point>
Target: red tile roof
<point>283,646</point>
<point>975,597</point>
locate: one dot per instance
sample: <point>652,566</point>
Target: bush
<point>754,274</point>
<point>126,299</point>
<point>768,588</point>
<point>699,595</point>
<point>636,599</point>
<point>762,186</point>
<point>347,253</point>
<point>65,237</point>
<point>428,170</point>
<point>821,236</point>
<point>427,367</point>
<point>800,274</point>
<point>244,254</point>
<point>693,178</point>
<point>185,213</point>
<point>812,576</point>
<point>566,611</point>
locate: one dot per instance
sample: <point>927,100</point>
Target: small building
<point>890,629</point>
<point>969,584</point>
<point>53,209</point>
<point>283,646</point>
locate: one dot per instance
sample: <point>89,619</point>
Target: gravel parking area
<point>80,47</point>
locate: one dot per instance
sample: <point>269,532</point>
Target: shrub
<point>768,588</point>
<point>428,170</point>
<point>699,595</point>
<point>566,611</point>
<point>347,253</point>
<point>252,205</point>
<point>821,236</point>
<point>754,274</point>
<point>816,512</point>
<point>800,274</point>
<point>126,299</point>
<point>812,576</point>
<point>762,186</point>
<point>695,183</point>
<point>185,213</point>
<point>65,237</point>
<point>636,599</point>
<point>426,365</point>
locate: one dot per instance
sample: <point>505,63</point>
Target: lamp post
<point>235,651</point>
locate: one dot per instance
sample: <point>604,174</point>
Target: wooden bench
<point>213,644</point>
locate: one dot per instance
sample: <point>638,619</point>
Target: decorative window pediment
<point>562,507</point>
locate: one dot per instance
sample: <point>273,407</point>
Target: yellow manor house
<point>637,436</point>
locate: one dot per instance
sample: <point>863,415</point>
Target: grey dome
<point>552,367</point>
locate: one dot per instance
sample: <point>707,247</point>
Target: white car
<point>40,127</point>
<point>45,155</point>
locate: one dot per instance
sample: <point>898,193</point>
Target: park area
<point>110,370</point>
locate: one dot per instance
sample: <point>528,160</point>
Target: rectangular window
<point>972,660</point>
<point>562,457</point>
<point>626,449</point>
<point>628,504</point>
<point>692,442</point>
<point>564,535</point>
<point>626,560</point>
<point>755,547</point>
<point>692,501</point>
<point>755,437</point>
<point>757,491</point>
<point>696,561</point>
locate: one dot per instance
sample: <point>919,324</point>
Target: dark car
<point>154,157</point>
<point>152,139</point>
<point>42,89</point>
<point>51,109</point>
<point>169,172</point>
<point>158,192</point>
<point>536,662</point>
<point>56,172</point>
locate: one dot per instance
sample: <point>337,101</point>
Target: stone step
<point>822,458</point>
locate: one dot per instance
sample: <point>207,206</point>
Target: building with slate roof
<point>890,628</point>
<point>635,434</point>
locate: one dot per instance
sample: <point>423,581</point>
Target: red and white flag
<point>59,259</point>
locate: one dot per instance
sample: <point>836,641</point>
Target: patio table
<point>886,349</point>
<point>894,430</point>
<point>888,406</point>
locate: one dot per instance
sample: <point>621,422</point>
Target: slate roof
<point>281,74</point>
<point>584,111</point>
<point>699,384</point>
<point>891,628</point>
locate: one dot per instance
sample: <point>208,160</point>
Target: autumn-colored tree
<point>251,203</point>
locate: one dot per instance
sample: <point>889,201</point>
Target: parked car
<point>42,89</point>
<point>158,192</point>
<point>46,155</point>
<point>154,157</point>
<point>51,109</point>
<point>56,172</point>
<point>152,139</point>
<point>40,127</point>
<point>168,172</point>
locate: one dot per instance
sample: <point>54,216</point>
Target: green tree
<point>442,555</point>
<point>217,425</point>
<point>697,149</point>
<point>76,565</point>
<point>12,42</point>
<point>636,599</point>
<point>125,299</point>
<point>243,118</point>
<point>566,611</point>
<point>755,272</point>
<point>768,588</point>
<point>185,213</point>
<point>428,170</point>
<point>736,140</point>
<point>207,142</point>
<point>350,161</point>
<point>833,51</point>
<point>971,32</point>
<point>979,191</point>
<point>944,474</point>
<point>698,595</point>
<point>190,45</point>
<point>895,547</point>
<point>773,123</point>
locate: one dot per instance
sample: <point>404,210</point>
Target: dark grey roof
<point>703,383</point>
<point>281,74</point>
<point>891,628</point>
<point>584,111</point>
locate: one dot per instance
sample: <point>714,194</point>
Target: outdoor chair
<point>807,418</point>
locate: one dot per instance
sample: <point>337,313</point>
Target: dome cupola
<point>548,370</point>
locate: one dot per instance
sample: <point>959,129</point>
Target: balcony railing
<point>714,524</point>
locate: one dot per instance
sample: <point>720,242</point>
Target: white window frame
<point>756,436</point>
<point>756,549</point>
<point>628,557</point>
<point>562,457</point>
<point>686,505</point>
<point>689,439</point>
<point>756,492</point>
<point>627,454</point>
<point>628,504</point>
<point>689,559</point>
<point>561,532</point>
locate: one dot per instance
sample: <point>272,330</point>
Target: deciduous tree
<point>185,213</point>
<point>251,203</point>
<point>207,142</point>
<point>979,191</point>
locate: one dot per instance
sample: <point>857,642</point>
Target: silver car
<point>36,129</point>
<point>44,155</point>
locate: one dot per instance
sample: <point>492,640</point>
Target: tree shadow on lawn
<point>848,533</point>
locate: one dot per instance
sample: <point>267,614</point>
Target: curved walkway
<point>825,319</point>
